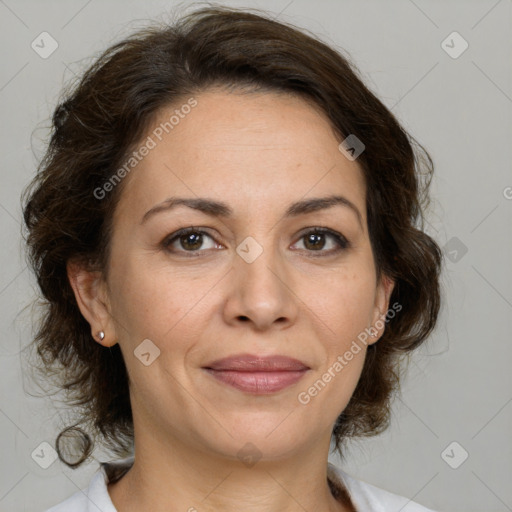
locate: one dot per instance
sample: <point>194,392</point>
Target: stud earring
<point>101,335</point>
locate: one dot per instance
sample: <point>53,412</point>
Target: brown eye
<point>192,241</point>
<point>314,241</point>
<point>188,240</point>
<point>317,239</point>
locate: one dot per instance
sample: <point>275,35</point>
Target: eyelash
<point>342,242</point>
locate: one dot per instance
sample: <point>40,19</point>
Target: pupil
<point>189,241</point>
<point>314,239</point>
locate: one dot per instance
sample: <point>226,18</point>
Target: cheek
<point>346,311</point>
<point>155,303</point>
<point>347,306</point>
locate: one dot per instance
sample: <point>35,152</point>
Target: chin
<point>271,438</point>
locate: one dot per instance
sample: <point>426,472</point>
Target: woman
<point>227,230</point>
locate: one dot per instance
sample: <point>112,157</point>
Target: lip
<point>259,375</point>
<point>255,363</point>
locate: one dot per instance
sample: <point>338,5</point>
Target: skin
<point>258,152</point>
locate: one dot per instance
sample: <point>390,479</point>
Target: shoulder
<point>75,503</point>
<point>369,497</point>
<point>94,498</point>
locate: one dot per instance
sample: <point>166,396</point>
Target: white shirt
<point>364,496</point>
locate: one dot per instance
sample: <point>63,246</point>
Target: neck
<point>193,480</point>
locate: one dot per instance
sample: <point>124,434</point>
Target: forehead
<point>250,149</point>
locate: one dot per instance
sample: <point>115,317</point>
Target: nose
<point>261,292</point>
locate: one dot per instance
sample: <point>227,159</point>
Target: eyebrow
<point>215,208</point>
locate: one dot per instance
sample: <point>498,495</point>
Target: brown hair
<point>105,115</point>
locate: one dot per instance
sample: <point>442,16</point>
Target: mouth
<point>257,374</point>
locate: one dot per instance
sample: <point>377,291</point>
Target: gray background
<point>458,386</point>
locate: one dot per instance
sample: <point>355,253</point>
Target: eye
<point>189,239</point>
<point>315,241</point>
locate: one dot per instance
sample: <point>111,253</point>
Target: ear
<point>91,296</point>
<point>382,294</point>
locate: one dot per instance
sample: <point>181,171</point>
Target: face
<point>262,280</point>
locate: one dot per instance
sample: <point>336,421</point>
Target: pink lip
<point>257,374</point>
<point>253,363</point>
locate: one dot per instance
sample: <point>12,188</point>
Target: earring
<point>101,335</point>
